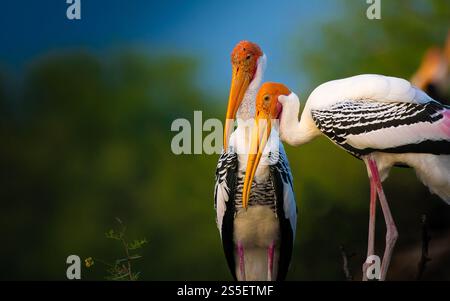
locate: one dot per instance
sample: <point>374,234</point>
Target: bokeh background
<point>86,109</point>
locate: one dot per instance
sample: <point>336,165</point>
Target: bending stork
<point>257,229</point>
<point>384,121</point>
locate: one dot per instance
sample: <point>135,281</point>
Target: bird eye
<point>248,57</point>
<point>266,98</point>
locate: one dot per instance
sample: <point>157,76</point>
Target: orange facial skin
<point>267,108</point>
<point>244,60</point>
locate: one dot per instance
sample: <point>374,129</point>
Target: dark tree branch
<point>425,242</point>
<point>345,261</point>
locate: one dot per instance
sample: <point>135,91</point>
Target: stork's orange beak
<point>239,83</point>
<point>260,136</point>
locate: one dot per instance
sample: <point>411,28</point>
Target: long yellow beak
<point>260,135</point>
<point>239,83</point>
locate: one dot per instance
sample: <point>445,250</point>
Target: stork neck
<point>293,131</point>
<point>247,108</point>
<point>298,134</point>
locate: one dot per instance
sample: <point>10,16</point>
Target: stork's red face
<point>267,108</point>
<point>244,60</point>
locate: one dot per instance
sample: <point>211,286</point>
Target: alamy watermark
<point>206,137</point>
<point>74,269</point>
<point>373,271</point>
<point>373,12</point>
<point>73,11</point>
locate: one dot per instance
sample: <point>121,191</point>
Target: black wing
<point>224,195</point>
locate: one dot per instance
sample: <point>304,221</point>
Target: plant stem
<point>125,246</point>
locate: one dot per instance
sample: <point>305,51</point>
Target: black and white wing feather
<point>364,126</point>
<point>372,112</point>
<point>226,183</point>
<point>286,209</point>
<point>224,196</point>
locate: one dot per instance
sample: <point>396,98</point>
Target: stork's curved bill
<point>267,109</point>
<point>244,60</point>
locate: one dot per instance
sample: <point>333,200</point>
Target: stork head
<point>244,60</point>
<point>268,108</point>
<point>429,68</point>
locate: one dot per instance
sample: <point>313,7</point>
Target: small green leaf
<point>136,244</point>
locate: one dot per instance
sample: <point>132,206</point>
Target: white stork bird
<point>384,121</point>
<point>257,230</point>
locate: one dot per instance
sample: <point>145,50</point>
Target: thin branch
<point>345,259</point>
<point>425,243</point>
<point>125,247</point>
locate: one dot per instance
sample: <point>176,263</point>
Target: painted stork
<point>257,229</point>
<point>384,121</point>
<point>433,75</point>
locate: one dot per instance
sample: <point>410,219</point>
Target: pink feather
<point>445,125</point>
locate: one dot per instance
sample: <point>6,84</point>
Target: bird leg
<point>241,260</point>
<point>372,216</point>
<point>270,253</point>
<point>391,233</point>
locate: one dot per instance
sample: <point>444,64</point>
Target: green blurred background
<point>85,134</point>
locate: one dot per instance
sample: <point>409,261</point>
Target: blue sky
<point>207,29</point>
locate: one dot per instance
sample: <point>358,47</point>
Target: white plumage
<point>257,240</point>
<point>384,121</point>
<point>368,87</point>
<point>432,170</point>
<point>258,226</point>
<point>376,90</point>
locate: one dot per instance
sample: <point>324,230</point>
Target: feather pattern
<point>274,192</point>
<point>364,126</point>
<point>226,175</point>
<point>387,117</point>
